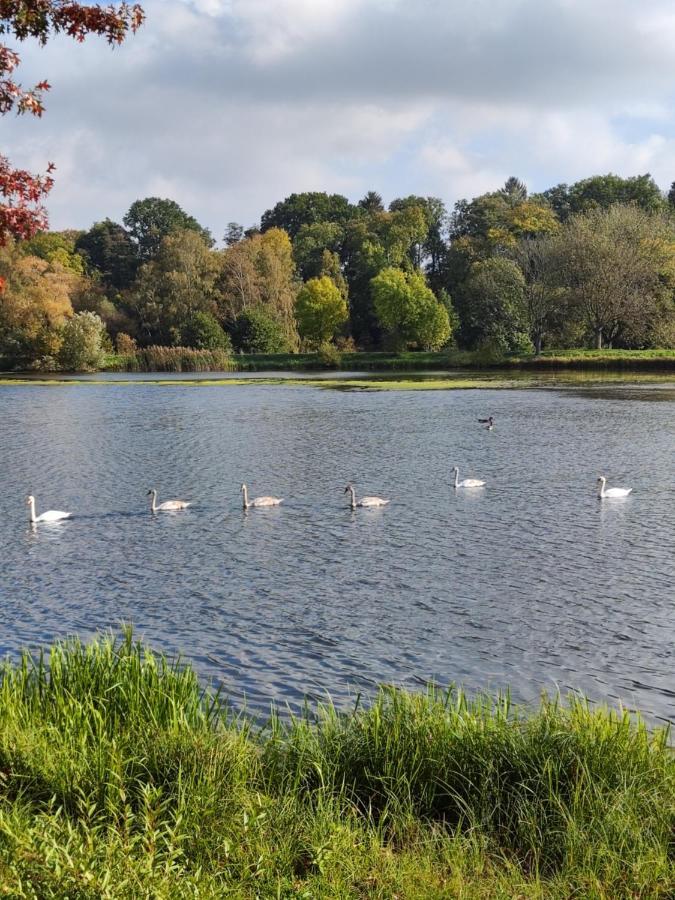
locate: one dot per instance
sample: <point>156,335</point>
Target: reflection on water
<point>530,582</point>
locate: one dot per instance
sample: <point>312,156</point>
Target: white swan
<point>611,492</point>
<point>468,482</point>
<point>168,505</point>
<point>364,501</point>
<point>52,515</point>
<point>259,501</point>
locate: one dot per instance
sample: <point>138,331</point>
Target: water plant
<point>177,359</point>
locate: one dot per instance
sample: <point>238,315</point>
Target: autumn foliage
<point>22,193</point>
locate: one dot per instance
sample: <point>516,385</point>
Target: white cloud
<point>229,105</point>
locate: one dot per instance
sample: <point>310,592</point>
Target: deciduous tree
<point>34,304</point>
<point>407,308</point>
<point>544,299</point>
<point>22,213</point>
<point>320,310</point>
<point>108,249</point>
<point>306,209</point>
<point>617,266</point>
<point>149,221</point>
<point>170,289</point>
<point>259,272</point>
<point>492,307</point>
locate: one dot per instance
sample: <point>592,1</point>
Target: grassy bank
<point>632,360</point>
<point>185,359</point>
<point>120,777</point>
<point>181,360</point>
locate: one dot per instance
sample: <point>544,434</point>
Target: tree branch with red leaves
<point>22,213</point>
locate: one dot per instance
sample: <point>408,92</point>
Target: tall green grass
<point>173,359</point>
<point>120,776</point>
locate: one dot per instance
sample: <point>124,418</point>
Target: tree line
<point>587,264</point>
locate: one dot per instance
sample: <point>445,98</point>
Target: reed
<point>176,359</point>
<point>121,776</point>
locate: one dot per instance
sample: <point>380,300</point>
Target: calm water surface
<point>531,582</point>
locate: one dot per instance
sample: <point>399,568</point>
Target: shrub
<point>83,339</point>
<point>255,331</point>
<point>125,344</point>
<point>329,355</point>
<point>204,332</point>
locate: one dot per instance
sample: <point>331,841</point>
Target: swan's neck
<point>153,502</point>
<point>352,494</point>
<point>456,478</point>
<point>244,491</point>
<point>32,511</point>
<point>602,487</point>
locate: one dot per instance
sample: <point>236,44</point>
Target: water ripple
<point>529,582</point>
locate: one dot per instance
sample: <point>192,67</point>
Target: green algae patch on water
<point>343,384</point>
<point>409,384</point>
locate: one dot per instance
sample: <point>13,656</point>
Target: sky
<point>228,106</point>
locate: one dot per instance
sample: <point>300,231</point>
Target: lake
<point>531,582</point>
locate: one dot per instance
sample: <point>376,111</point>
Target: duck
<point>167,505</point>
<point>364,501</point>
<point>614,492</point>
<point>259,501</point>
<point>467,482</point>
<point>52,515</point>
<point>489,422</point>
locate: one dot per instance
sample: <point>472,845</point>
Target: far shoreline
<point>375,364</point>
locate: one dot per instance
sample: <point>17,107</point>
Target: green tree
<point>544,299</point>
<point>514,191</point>
<point>330,266</point>
<point>233,234</point>
<point>320,310</point>
<point>149,221</point>
<point>371,203</point>
<point>371,243</point>
<point>494,222</point>
<point>429,253</point>
<point>492,310</point>
<point>617,267</point>
<point>58,248</point>
<point>408,310</point>
<point>170,289</point>
<point>558,198</point>
<point>255,331</point>
<point>82,343</point>
<point>603,191</point>
<point>310,243</point>
<point>109,250</point>
<point>260,272</point>
<point>203,331</point>
<point>306,209</point>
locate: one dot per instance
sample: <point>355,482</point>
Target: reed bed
<point>121,776</point>
<point>175,359</point>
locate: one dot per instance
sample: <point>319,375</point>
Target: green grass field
<point>120,777</point>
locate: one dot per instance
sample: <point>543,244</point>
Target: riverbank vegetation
<point>420,361</point>
<point>505,276</point>
<point>121,777</point>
